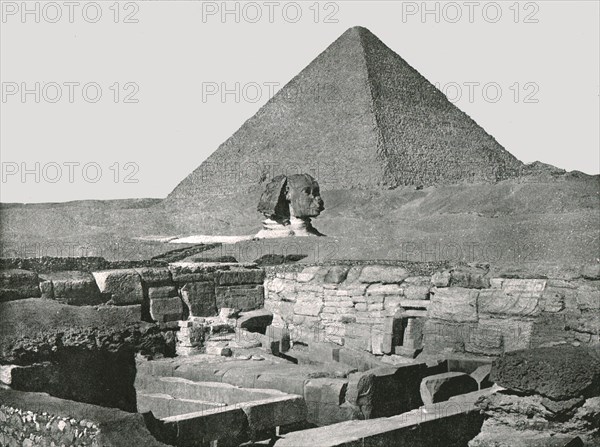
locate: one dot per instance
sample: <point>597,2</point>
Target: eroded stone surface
<point>124,286</point>
<point>560,372</point>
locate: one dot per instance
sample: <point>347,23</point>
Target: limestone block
<point>441,335</point>
<point>274,412</point>
<point>385,289</point>
<point>155,276</point>
<point>588,297</point>
<point>553,298</point>
<point>307,274</point>
<point>417,292</point>
<point>166,309</point>
<point>75,288</point>
<point>377,339</point>
<point>498,302</point>
<point>238,277</point>
<point>492,336</point>
<point>323,397</point>
<point>524,287</point>
<point>386,274</point>
<point>17,283</point>
<point>361,307</point>
<point>244,297</point>
<point>124,286</point>
<point>441,279</point>
<point>454,304</point>
<point>200,299</point>
<point>485,338</point>
<point>392,334</point>
<point>353,275</point>
<point>336,274</point>
<point>440,387</point>
<point>159,292</point>
<point>182,273</point>
<point>308,308</point>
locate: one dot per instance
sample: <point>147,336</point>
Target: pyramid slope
<point>358,116</point>
<point>320,123</point>
<point>426,139</point>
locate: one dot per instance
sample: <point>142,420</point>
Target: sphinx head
<point>296,195</point>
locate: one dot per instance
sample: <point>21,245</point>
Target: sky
<point>106,100</point>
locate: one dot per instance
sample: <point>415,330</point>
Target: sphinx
<point>289,203</point>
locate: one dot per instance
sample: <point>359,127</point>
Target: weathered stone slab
<point>309,308</point>
<point>239,277</point>
<point>166,309</point>
<point>499,302</point>
<point>244,297</point>
<point>323,396</point>
<point>274,412</point>
<point>524,287</point>
<point>16,284</point>
<point>417,292</point>
<point>163,405</point>
<point>441,387</point>
<point>454,304</point>
<point>75,288</point>
<point>385,289</point>
<point>155,276</point>
<point>182,273</point>
<point>209,425</point>
<point>386,274</point>
<point>200,299</point>
<point>124,286</point>
<point>155,293</point>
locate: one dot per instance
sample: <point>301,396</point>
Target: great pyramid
<point>358,116</point>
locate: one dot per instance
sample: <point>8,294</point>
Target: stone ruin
<point>289,203</point>
<point>191,354</point>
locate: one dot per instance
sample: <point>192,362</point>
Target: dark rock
<point>560,372</point>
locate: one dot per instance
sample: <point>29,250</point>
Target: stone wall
<point>166,293</point>
<point>386,309</point>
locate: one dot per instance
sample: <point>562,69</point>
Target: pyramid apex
<point>357,30</point>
